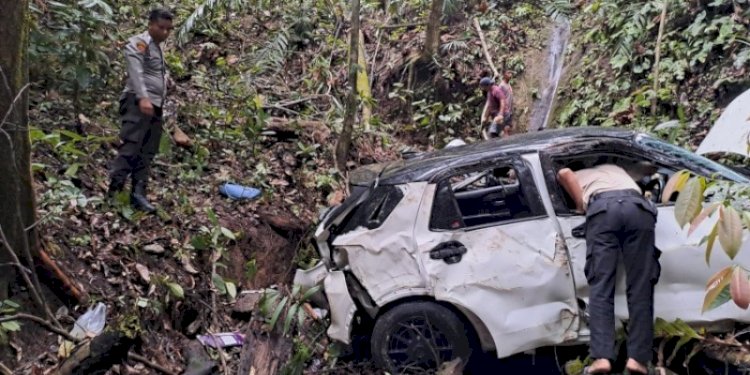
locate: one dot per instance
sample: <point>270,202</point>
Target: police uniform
<point>620,223</point>
<point>140,133</point>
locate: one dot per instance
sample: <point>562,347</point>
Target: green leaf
<point>219,283</point>
<point>277,313</point>
<point>717,289</point>
<point>270,296</point>
<point>689,202</point>
<point>231,289</point>
<point>290,315</point>
<point>176,290</point>
<point>201,242</point>
<point>12,326</point>
<point>11,304</point>
<point>730,231</point>
<point>310,292</point>
<point>72,171</point>
<point>228,233</point>
<point>212,217</point>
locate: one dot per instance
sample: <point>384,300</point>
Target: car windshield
<point>713,168</point>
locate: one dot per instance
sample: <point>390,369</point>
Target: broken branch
<point>51,265</point>
<point>485,49</point>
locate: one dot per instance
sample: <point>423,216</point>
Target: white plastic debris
<point>89,324</point>
<point>731,133</point>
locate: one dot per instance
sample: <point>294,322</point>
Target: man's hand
<point>144,104</point>
<point>498,119</point>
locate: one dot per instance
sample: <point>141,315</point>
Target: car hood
<point>731,133</point>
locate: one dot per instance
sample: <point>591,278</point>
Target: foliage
<point>729,206</point>
<point>8,307</point>
<point>612,81</point>
<point>202,13</point>
<point>274,306</point>
<point>69,53</point>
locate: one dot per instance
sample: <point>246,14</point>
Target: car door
<point>680,290</point>
<point>488,246</point>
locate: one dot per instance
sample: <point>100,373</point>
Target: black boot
<point>138,198</point>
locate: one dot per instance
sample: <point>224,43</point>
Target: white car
<point>472,247</point>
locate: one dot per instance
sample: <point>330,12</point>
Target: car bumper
<point>334,296</point>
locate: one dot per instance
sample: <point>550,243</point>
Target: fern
<point>199,14</point>
<point>558,9</point>
<point>272,56</point>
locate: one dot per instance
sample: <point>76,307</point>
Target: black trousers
<point>620,225</point>
<point>140,135</point>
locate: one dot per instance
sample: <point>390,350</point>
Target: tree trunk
<point>432,34</point>
<point>16,194</point>
<point>345,139</point>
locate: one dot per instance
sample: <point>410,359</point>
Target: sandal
<point>587,371</point>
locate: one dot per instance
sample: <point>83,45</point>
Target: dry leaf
<point>180,138</point>
<point>188,265</point>
<point>143,272</point>
<point>154,248</point>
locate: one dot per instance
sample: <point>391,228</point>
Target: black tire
<point>419,336</point>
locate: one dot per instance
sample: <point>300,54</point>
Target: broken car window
<point>480,198</point>
<point>708,167</point>
<point>372,213</point>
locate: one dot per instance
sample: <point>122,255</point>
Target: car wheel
<point>419,336</point>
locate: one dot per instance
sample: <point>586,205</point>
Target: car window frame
<point>627,148</point>
<point>527,186</point>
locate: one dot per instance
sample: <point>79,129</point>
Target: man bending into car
<point>620,223</point>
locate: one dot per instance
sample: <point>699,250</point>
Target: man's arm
<point>135,51</point>
<point>569,182</point>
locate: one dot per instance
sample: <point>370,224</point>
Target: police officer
<point>620,223</point>
<point>141,109</point>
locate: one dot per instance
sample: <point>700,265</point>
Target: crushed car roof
<point>427,165</point>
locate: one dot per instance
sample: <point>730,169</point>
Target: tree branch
<point>34,291</point>
<point>42,322</point>
<point>485,49</point>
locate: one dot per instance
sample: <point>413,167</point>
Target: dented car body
<point>486,232</point>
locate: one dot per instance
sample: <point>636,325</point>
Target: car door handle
<point>451,252</point>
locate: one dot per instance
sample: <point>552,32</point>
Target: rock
<point>247,302</point>
<point>198,362</point>
<point>154,248</point>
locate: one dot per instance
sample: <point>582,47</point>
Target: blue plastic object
<point>234,191</point>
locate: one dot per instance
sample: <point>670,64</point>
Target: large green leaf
<point>730,231</point>
<point>290,315</point>
<point>717,289</point>
<point>689,202</point>
<point>277,313</point>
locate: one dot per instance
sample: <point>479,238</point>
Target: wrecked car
<point>473,248</point>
